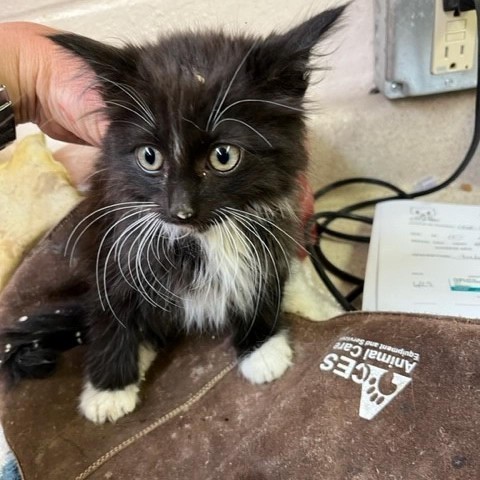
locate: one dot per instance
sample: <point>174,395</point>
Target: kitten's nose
<point>181,203</point>
<point>184,212</point>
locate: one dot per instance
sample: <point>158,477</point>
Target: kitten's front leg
<point>263,348</point>
<point>116,364</point>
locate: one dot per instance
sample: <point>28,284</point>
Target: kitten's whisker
<point>97,265</point>
<point>138,281</point>
<point>283,208</point>
<point>93,174</point>
<point>273,224</point>
<point>113,227</point>
<point>246,125</point>
<point>134,95</point>
<point>120,243</point>
<point>164,287</point>
<point>165,296</point>
<point>154,227</point>
<point>254,100</point>
<point>84,219</point>
<point>80,235</point>
<point>244,59</point>
<point>246,242</point>
<point>256,264</point>
<point>192,123</point>
<point>161,237</point>
<point>254,260</point>
<point>135,283</point>
<point>259,277</point>
<point>270,222</point>
<point>246,223</point>
<point>138,209</point>
<point>232,246</point>
<point>218,229</point>
<point>267,250</point>
<point>134,124</point>
<point>127,106</point>
<point>212,112</point>
<point>172,237</point>
<point>114,249</point>
<point>110,209</point>
<point>146,234</point>
<point>148,241</point>
<point>257,222</point>
<point>156,250</point>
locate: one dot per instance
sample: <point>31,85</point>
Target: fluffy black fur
<point>183,97</point>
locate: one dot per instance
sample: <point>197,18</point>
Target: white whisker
<point>263,227</point>
<point>192,123</point>
<point>120,243</point>
<point>134,95</point>
<point>246,125</point>
<point>257,266</point>
<point>137,279</point>
<point>246,224</point>
<point>96,172</point>
<point>274,225</point>
<point>110,209</point>
<point>142,278</point>
<point>254,100</point>
<point>161,238</point>
<point>212,112</point>
<point>244,59</point>
<point>157,237</point>
<point>128,106</point>
<point>149,233</point>
<point>134,124</point>
<point>233,246</point>
<point>113,248</point>
<point>97,265</point>
<point>169,293</point>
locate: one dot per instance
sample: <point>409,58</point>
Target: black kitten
<point>194,210</point>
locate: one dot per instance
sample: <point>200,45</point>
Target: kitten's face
<point>204,122</point>
<point>196,132</point>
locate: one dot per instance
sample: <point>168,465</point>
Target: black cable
<point>319,259</point>
<point>347,181</point>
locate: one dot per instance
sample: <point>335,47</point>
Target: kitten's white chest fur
<point>229,278</point>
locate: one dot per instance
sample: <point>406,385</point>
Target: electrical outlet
<point>454,39</point>
<point>406,48</point>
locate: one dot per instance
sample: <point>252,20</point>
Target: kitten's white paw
<point>269,361</point>
<point>102,405</point>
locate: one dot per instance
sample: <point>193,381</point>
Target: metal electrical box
<point>421,50</point>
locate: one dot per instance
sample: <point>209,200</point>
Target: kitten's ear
<point>110,64</point>
<point>283,60</point>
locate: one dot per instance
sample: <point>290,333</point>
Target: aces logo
<point>382,371</point>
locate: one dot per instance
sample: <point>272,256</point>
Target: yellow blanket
<point>35,194</point>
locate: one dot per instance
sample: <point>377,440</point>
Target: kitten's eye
<point>149,159</point>
<point>224,158</point>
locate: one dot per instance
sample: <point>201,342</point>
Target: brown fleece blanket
<point>370,396</point>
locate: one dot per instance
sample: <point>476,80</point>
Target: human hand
<point>49,87</point>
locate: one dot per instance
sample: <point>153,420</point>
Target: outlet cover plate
<point>404,33</point>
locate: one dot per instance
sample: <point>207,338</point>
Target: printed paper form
<point>425,258</point>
